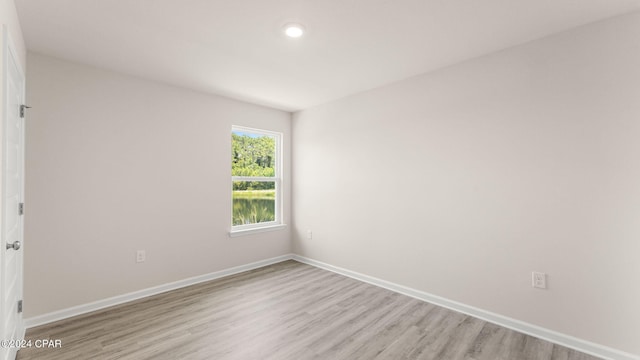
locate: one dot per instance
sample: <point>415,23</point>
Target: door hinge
<point>22,107</point>
<point>19,306</point>
<point>21,209</point>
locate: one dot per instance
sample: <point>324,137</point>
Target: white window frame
<point>277,224</point>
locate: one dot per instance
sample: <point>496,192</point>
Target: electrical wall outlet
<point>539,280</point>
<point>141,256</point>
<point>309,234</point>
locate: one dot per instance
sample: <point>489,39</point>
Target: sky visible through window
<point>249,134</point>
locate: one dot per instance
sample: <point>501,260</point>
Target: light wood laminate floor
<point>285,311</point>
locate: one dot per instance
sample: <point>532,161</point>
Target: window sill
<point>243,232</point>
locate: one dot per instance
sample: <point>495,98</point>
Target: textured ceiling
<point>236,48</point>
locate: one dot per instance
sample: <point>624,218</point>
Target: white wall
<point>115,164</point>
<point>461,182</point>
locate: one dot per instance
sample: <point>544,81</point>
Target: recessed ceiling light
<point>294,30</point>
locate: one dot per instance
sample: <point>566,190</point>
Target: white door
<point>11,326</point>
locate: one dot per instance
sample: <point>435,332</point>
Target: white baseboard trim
<point>120,299</point>
<point>517,325</point>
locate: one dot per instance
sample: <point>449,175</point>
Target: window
<point>256,179</point>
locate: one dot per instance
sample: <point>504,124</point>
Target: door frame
<point>9,52</point>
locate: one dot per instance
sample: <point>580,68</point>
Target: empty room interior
<point>335,179</point>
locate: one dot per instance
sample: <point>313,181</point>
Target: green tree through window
<point>255,176</point>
